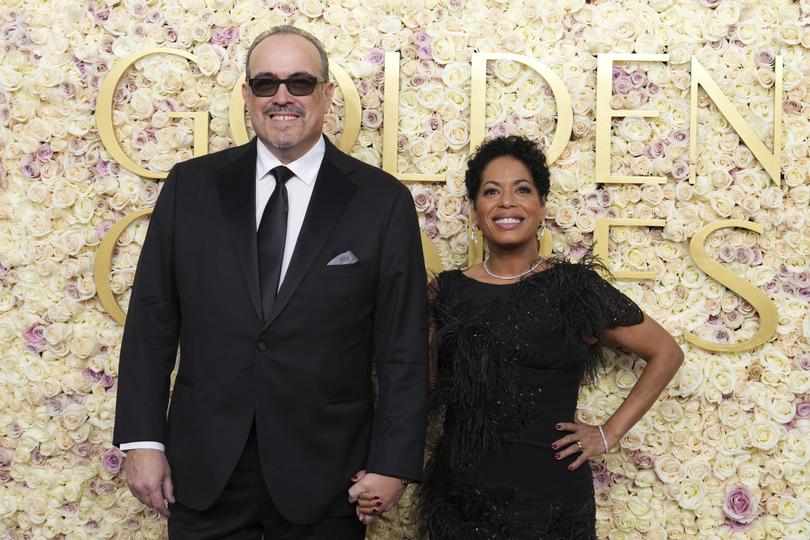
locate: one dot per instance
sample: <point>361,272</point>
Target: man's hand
<point>374,494</point>
<point>149,478</point>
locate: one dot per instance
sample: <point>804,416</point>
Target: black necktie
<point>271,237</point>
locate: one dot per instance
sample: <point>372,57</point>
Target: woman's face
<point>508,208</point>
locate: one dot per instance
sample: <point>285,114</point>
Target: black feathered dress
<point>510,360</point>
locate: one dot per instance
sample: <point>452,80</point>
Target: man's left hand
<point>374,494</point>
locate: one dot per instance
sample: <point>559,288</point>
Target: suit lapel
<point>237,193</point>
<point>331,194</point>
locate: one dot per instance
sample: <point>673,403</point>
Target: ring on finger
<point>579,445</point>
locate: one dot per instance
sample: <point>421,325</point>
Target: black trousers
<point>245,511</point>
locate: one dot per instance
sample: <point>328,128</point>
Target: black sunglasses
<point>301,85</point>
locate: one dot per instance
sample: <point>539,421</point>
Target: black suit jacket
<point>305,373</point>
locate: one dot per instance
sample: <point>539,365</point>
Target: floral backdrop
<point>723,454</point>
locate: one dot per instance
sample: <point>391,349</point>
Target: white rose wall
<point>698,203</point>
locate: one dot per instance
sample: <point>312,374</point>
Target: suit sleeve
<point>149,345</point>
<point>400,347</point>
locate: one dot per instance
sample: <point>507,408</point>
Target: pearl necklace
<point>529,271</point>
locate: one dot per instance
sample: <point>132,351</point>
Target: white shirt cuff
<point>142,444</point>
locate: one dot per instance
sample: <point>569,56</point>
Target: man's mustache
<point>284,110</point>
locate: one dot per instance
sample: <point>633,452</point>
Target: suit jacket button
<point>262,346</point>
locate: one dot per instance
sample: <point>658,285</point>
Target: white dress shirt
<point>299,192</point>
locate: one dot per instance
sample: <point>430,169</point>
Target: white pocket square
<point>347,257</point>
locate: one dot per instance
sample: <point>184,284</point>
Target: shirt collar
<point>305,168</point>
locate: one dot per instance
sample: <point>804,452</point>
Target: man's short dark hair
<point>287,29</point>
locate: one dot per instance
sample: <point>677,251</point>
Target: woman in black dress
<point>514,337</point>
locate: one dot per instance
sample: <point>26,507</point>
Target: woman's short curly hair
<point>515,146</point>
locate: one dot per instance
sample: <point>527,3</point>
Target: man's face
<point>288,125</point>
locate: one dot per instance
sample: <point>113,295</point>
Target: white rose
<point>764,434</point>
<point>698,468</point>
<point>731,443</point>
<point>690,494</point>
<point>668,469</point>
<point>444,50</point>
<point>780,409</point>
<point>10,79</point>
<point>73,416</point>
<point>724,466</point>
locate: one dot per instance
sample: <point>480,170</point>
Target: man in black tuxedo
<point>282,268</point>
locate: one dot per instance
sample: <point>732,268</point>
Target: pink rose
<point>643,460</point>
<point>657,149</point>
<point>765,59</point>
<point>744,255</point>
<point>423,201</point>
<point>739,504</point>
<point>578,251</point>
<point>364,86</point>
<point>756,256</point>
<point>721,335</point>
<point>90,375</point>
<point>422,38</point>
<point>44,153</point>
<point>601,479</point>
<point>431,231</point>
<point>6,459</point>
<point>83,449</point>
<point>622,84</point>
<point>36,339</point>
<point>679,170</point>
<point>803,359</point>
<point>680,136</point>
<point>604,197</point>
<point>638,78</point>
<point>802,279</point>
<point>727,253</point>
<point>108,381</point>
<point>376,57</point>
<point>112,460</point>
<point>792,106</point>
<point>224,35</point>
<point>54,406</point>
<point>36,457</point>
<point>29,167</point>
<point>802,409</point>
<point>154,16</point>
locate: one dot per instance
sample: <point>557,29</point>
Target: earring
<point>475,234</point>
<point>541,231</point>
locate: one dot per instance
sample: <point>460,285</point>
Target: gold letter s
<point>767,310</point>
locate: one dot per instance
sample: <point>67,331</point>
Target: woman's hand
<point>374,494</point>
<point>585,439</point>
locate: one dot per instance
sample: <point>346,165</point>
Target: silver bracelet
<point>604,439</point>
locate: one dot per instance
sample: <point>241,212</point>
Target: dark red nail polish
<point>557,456</point>
<point>570,467</point>
<point>554,446</point>
<point>558,426</point>
<point>378,503</point>
<point>374,510</point>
